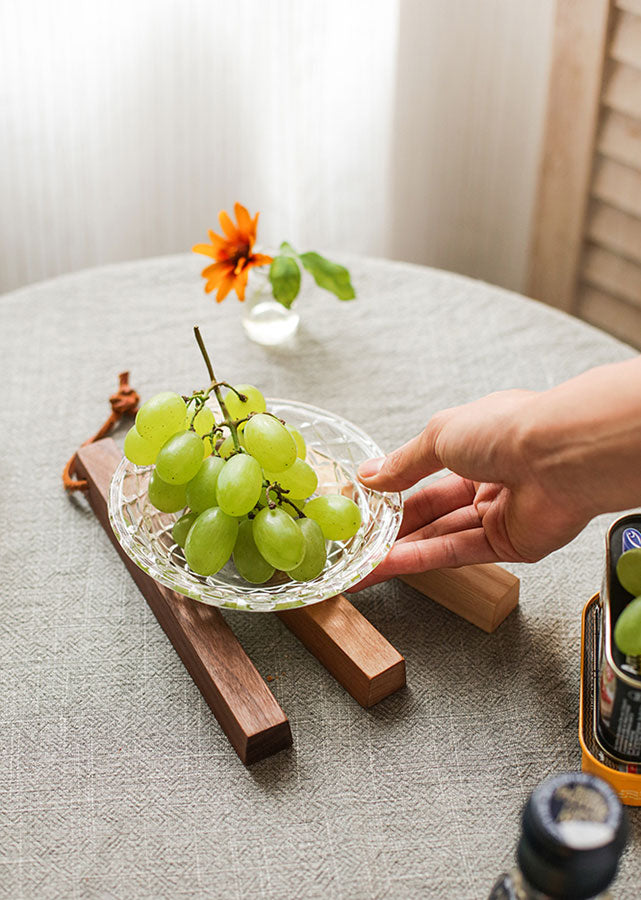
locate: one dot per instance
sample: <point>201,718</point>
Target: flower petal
<point>260,259</point>
<point>205,249</point>
<point>241,283</point>
<point>217,240</point>
<point>215,272</point>
<point>225,287</point>
<point>227,225</point>
<point>243,218</point>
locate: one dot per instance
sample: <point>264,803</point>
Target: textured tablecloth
<point>115,779</point>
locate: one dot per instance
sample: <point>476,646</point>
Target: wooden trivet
<point>340,637</point>
<point>347,644</point>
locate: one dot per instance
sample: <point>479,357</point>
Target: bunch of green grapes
<point>627,630</point>
<point>243,482</point>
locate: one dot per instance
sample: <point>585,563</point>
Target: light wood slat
<point>626,39</point>
<point>578,58</point>
<point>609,227</point>
<point>622,89</point>
<point>614,274</point>
<point>633,6</point>
<point>483,594</point>
<point>620,138</point>
<point>615,316</point>
<point>618,185</point>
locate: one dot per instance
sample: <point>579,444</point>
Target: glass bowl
<point>335,448</point>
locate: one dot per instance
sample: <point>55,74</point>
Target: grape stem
<point>280,491</point>
<point>215,386</point>
<point>242,397</point>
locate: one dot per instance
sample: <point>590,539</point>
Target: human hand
<point>505,501</point>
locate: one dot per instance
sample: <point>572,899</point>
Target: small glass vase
<point>265,320</point>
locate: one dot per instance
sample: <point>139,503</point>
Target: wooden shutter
<point>586,247</point>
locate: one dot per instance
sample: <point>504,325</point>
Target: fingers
<point>445,552</point>
<point>404,467</point>
<point>458,520</point>
<point>434,501</point>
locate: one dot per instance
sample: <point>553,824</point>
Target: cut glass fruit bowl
<point>335,449</point>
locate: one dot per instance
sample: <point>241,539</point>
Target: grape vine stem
<point>280,491</point>
<point>216,387</point>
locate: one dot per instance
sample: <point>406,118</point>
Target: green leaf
<point>284,275</point>
<point>329,275</point>
<point>286,249</point>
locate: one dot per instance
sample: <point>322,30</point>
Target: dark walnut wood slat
<point>228,680</point>
<point>349,646</point>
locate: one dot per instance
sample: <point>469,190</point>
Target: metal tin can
<point>619,677</point>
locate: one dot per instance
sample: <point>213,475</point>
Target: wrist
<point>556,458</point>
<point>582,440</point>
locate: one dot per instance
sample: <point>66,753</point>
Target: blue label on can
<point>631,539</point>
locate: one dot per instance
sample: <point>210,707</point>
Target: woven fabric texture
<point>115,778</point>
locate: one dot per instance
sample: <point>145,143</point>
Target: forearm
<point>583,438</point>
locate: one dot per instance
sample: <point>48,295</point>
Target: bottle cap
<point>574,831</point>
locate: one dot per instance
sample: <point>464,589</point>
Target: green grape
<point>627,631</point>
<point>239,485</point>
<point>180,458</point>
<point>201,490</point>
<point>161,416</point>
<point>338,516</point>
<point>315,552</point>
<point>300,480</point>
<point>301,449</point>
<point>237,408</point>
<point>166,497</point>
<point>208,447</point>
<point>247,559</point>
<point>629,571</point>
<point>138,450</point>
<point>181,528</point>
<point>210,541</point>
<point>270,443</point>
<point>279,539</point>
<point>228,448</point>
<point>204,421</point>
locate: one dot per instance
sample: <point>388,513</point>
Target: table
<point>116,780</point>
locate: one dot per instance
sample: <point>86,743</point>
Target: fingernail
<point>370,467</point>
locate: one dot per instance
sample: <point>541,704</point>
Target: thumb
<point>408,464</point>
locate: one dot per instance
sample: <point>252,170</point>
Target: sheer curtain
<point>406,128</point>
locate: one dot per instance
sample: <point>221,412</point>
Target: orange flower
<point>233,254</point>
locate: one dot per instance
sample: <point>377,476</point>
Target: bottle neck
<point>514,886</point>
